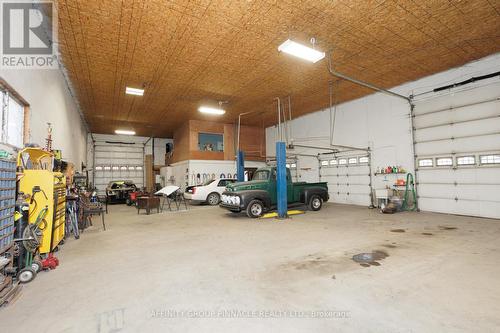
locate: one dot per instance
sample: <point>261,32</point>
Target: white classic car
<point>209,192</point>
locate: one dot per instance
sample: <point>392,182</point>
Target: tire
<point>36,265</point>
<point>128,202</point>
<point>26,275</point>
<point>255,209</point>
<point>315,203</point>
<point>213,199</point>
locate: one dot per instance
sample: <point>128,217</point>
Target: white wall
<point>378,121</point>
<point>177,172</point>
<point>51,101</point>
<point>159,149</point>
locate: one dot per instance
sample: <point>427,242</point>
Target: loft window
<point>342,161</point>
<point>426,162</point>
<point>353,160</point>
<point>293,165</point>
<point>444,161</point>
<point>324,163</point>
<point>466,160</point>
<point>210,142</point>
<point>333,162</point>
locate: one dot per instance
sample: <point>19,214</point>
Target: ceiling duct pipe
<point>239,128</point>
<point>334,115</point>
<point>285,122</point>
<point>290,145</point>
<point>362,83</point>
<point>334,148</point>
<point>279,135</point>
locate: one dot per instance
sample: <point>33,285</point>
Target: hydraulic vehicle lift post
<point>240,166</point>
<point>281,169</point>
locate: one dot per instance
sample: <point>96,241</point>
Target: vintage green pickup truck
<point>258,196</point>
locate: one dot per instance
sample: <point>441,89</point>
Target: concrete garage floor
<point>435,279</point>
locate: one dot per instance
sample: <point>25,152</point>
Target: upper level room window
<point>211,142</point>
<point>13,109</point>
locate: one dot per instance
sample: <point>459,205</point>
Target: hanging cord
<point>410,181</point>
<point>33,233</point>
<point>333,111</point>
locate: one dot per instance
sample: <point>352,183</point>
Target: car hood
<point>250,185</point>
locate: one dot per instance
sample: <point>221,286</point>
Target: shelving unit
<point>388,174</point>
<point>7,206</point>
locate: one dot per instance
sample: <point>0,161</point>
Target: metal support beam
<point>333,148</point>
<point>281,185</point>
<point>239,128</point>
<point>362,83</point>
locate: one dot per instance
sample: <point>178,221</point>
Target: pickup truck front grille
<point>233,200</point>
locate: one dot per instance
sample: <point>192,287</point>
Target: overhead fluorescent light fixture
<point>125,132</point>
<point>209,110</point>
<point>301,51</point>
<point>134,91</point>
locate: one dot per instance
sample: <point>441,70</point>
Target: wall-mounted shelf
<point>387,174</point>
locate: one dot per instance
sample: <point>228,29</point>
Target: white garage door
<point>118,162</point>
<point>457,147</point>
<point>348,179</point>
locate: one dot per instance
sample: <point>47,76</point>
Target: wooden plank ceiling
<point>188,52</point>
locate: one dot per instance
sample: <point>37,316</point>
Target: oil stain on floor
<point>398,230</point>
<point>447,228</point>
<point>368,259</point>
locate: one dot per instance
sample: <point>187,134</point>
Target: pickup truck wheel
<point>315,203</point>
<point>255,209</point>
<point>213,199</point>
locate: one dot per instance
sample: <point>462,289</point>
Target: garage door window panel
<point>426,162</point>
<point>489,159</point>
<point>444,161</point>
<point>466,160</point>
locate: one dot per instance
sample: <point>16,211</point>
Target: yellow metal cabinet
<point>46,188</point>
